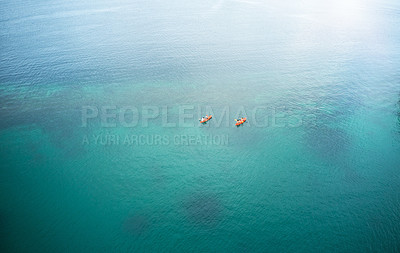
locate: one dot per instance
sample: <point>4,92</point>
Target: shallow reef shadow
<point>203,209</point>
<point>136,224</point>
<point>38,158</point>
<point>328,143</point>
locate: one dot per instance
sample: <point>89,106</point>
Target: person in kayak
<point>204,118</point>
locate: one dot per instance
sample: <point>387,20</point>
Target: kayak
<point>206,119</point>
<point>239,122</point>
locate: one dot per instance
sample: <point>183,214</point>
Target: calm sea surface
<point>315,169</point>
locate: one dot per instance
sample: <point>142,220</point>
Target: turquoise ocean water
<point>324,179</point>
